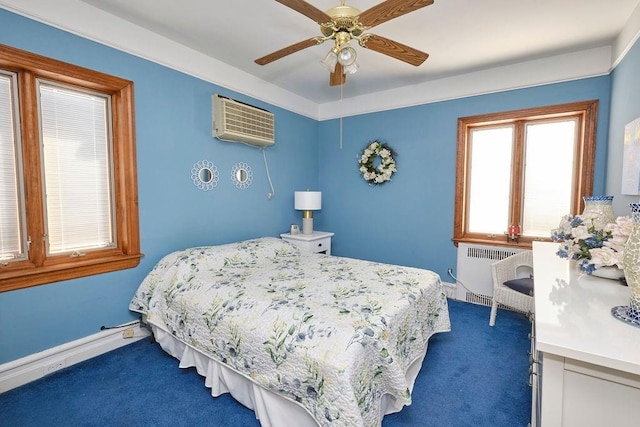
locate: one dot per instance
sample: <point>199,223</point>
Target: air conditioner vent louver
<point>235,121</point>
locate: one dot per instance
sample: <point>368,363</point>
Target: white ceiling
<point>462,37</point>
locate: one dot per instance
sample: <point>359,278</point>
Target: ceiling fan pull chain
<point>341,114</point>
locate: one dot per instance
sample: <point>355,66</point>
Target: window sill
<point>521,243</point>
<point>20,279</point>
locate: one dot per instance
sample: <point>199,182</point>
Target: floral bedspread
<point>333,334</point>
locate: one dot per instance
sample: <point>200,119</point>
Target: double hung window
<point>68,191</point>
<point>519,172</point>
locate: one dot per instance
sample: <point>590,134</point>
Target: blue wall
<point>625,107</point>
<point>173,126</point>
<point>409,220</point>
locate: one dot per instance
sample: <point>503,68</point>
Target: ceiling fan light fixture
<point>351,68</point>
<point>330,61</point>
<point>347,56</point>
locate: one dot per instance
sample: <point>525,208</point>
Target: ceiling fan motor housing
<point>344,19</point>
<point>343,11</point>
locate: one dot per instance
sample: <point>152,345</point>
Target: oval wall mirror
<point>204,175</point>
<point>241,175</point>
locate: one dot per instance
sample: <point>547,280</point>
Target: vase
<point>631,265</point>
<point>608,272</point>
<point>600,208</point>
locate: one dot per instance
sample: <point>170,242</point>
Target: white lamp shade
<point>308,200</point>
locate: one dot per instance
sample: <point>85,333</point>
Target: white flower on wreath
<point>385,168</point>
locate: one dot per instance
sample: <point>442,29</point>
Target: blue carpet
<point>474,375</point>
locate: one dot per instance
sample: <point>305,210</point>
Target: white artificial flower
<point>616,243</point>
<point>565,225</point>
<point>564,222</point>
<point>363,169</point>
<point>384,153</point>
<point>623,226</point>
<point>605,256</point>
<point>580,232</point>
<point>574,247</point>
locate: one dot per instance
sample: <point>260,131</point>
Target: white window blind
<point>547,188</point>
<point>490,182</point>
<point>550,155</point>
<point>76,147</point>
<point>11,223</point>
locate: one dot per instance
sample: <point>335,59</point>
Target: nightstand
<point>319,241</point>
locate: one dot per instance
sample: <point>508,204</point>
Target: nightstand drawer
<point>319,241</point>
<point>321,245</point>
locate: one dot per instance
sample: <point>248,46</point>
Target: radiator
<point>474,271</point>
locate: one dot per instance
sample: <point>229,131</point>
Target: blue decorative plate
<point>621,312</point>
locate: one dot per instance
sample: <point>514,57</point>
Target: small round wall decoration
<point>377,163</point>
<point>204,175</point>
<point>241,175</point>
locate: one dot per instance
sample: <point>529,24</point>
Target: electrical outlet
<point>52,367</point>
<point>127,333</point>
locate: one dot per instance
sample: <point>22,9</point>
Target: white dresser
<point>586,364</point>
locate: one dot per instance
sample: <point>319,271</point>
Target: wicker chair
<point>515,266</point>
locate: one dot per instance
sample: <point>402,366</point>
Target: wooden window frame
<point>585,111</point>
<point>39,268</point>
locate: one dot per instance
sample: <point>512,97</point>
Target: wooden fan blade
<point>287,51</point>
<point>390,9</point>
<point>338,76</point>
<point>395,50</point>
<point>307,10</point>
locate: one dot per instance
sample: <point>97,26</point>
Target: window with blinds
<point>68,186</point>
<point>522,170</point>
<point>12,231</point>
<point>76,147</point>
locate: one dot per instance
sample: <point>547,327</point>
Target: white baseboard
<point>22,371</point>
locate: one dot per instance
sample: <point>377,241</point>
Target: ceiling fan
<point>345,23</point>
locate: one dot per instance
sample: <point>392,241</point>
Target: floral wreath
<point>381,172</point>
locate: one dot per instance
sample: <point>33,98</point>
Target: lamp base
<point>307,226</point>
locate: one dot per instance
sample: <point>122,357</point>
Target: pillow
<point>523,285</point>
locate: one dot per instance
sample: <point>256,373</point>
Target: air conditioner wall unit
<point>235,121</point>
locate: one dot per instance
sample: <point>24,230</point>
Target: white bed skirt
<point>271,409</point>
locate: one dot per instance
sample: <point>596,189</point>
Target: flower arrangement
<point>592,245</point>
<point>377,172</point>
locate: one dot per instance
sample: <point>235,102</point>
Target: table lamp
<point>307,202</point>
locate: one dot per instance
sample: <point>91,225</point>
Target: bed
<point>300,338</point>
